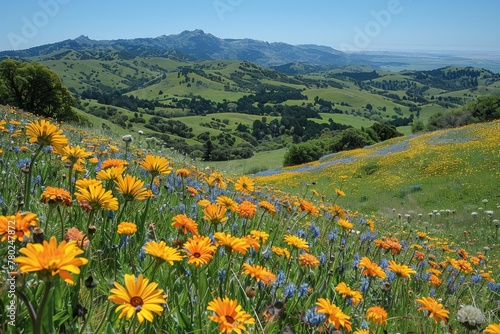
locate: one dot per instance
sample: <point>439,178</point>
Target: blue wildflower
<point>312,318</point>
<point>280,278</point>
<point>476,278</point>
<point>289,291</point>
<point>303,290</point>
<point>222,274</point>
<point>355,261</point>
<point>322,258</point>
<point>314,230</point>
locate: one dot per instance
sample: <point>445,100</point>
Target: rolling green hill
<point>216,96</point>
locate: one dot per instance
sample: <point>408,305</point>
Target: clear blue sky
<point>360,25</point>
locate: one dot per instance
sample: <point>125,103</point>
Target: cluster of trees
<point>118,99</point>
<point>484,109</point>
<point>357,76</point>
<point>35,88</point>
<point>449,79</point>
<point>336,141</point>
<point>212,152</point>
<point>163,125</point>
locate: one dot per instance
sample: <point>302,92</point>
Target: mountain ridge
<point>203,46</point>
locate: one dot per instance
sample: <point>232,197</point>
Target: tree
<point>208,149</point>
<point>417,126</point>
<point>385,131</point>
<point>35,88</point>
<point>485,108</point>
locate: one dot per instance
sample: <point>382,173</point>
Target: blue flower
<point>47,149</point>
<point>23,162</point>
<point>222,252</point>
<point>314,230</point>
<point>300,234</point>
<point>312,318</point>
<point>494,286</point>
<point>390,275</point>
<point>364,285</point>
<point>303,290</point>
<point>332,237</point>
<point>322,258</point>
<point>124,241</point>
<point>355,261</point>
<point>234,228</point>
<point>222,274</point>
<point>266,255</point>
<point>280,278</point>
<point>476,278</point>
<point>289,291</point>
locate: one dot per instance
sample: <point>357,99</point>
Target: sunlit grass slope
<point>449,169</point>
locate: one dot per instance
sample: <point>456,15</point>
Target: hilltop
<point>197,45</point>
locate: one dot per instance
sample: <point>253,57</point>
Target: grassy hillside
<point>452,169</point>
<point>145,240</point>
<point>163,79</point>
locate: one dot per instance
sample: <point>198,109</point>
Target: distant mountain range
<point>202,46</point>
<point>198,45</point>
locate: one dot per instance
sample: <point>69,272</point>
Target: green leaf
<point>109,329</point>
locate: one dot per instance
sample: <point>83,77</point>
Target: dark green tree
<point>385,131</point>
<point>208,148</point>
<point>35,88</point>
<point>417,126</point>
<point>485,108</point>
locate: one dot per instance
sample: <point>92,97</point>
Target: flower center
<point>53,266</point>
<point>136,301</point>
<point>229,319</point>
<point>197,255</point>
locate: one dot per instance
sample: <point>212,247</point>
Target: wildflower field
<point>118,235</point>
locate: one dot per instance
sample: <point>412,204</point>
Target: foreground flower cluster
<point>109,236</point>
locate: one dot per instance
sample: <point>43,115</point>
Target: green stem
<point>91,216</point>
<point>142,226</point>
<point>49,215</point>
<point>89,315</point>
<point>227,270</point>
<point>37,329</point>
<point>29,306</point>
<point>70,176</point>
<point>260,221</point>
<point>62,221</point>
<point>132,325</point>
<point>155,269</point>
<point>118,219</point>
<point>28,180</point>
<point>103,318</point>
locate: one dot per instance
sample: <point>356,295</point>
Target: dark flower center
<point>229,319</point>
<point>136,301</point>
<point>197,255</point>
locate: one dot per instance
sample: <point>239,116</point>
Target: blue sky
<point>359,25</point>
